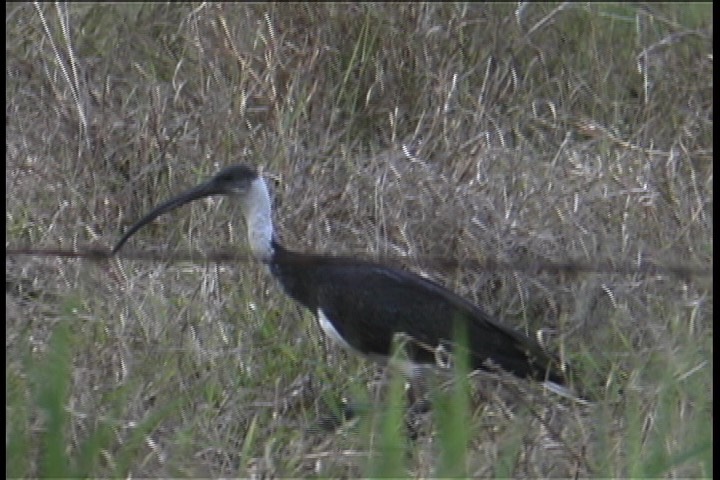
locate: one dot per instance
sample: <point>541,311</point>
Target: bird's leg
<point>418,403</point>
<point>417,388</point>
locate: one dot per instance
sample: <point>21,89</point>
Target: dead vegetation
<point>530,134</point>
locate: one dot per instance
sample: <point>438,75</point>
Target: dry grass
<point>540,133</point>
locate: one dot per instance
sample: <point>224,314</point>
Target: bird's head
<point>234,180</point>
<point>238,180</point>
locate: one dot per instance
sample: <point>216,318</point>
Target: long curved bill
<point>201,191</point>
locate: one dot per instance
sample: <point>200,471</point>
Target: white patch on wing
<point>408,368</point>
<point>330,330</point>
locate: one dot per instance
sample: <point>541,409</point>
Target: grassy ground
<point>526,134</point>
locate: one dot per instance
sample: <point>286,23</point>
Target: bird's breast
<point>329,328</point>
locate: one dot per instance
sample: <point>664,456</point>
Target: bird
<point>364,305</point>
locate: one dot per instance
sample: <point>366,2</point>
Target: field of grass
<point>516,134</point>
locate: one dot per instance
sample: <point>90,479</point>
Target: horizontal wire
<point>231,255</point>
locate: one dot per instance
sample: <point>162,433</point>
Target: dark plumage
<point>363,304</point>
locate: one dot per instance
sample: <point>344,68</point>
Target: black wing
<point>368,304</point>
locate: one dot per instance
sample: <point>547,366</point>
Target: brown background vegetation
<point>530,134</point>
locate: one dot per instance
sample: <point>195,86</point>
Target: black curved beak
<point>201,191</point>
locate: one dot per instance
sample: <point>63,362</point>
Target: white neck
<point>258,214</point>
